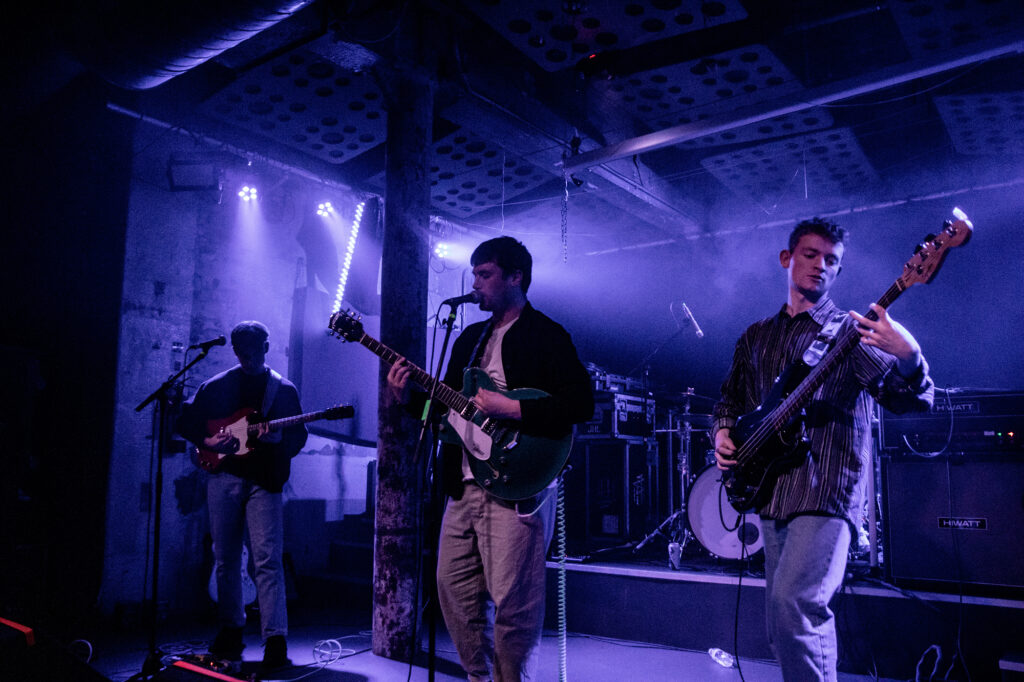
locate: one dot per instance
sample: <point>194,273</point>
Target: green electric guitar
<point>506,462</point>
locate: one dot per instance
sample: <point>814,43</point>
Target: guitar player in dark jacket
<point>492,550</point>
<point>812,512</point>
<point>245,492</point>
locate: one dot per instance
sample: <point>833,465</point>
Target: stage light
<point>248,193</point>
<point>349,250</point>
<point>325,209</point>
<point>441,250</point>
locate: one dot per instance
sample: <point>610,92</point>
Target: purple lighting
<point>248,193</point>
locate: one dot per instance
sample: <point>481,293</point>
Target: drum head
<point>716,524</point>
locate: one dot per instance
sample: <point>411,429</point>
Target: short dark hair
<point>819,226</point>
<point>508,254</point>
<point>249,334</point>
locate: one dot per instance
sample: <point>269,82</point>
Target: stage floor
<point>588,658</point>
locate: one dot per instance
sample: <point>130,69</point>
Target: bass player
<point>814,507</point>
<point>492,551</point>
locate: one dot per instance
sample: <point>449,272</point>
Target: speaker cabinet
<point>611,492</point>
<point>954,520</point>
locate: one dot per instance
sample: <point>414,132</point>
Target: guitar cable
<point>560,530</point>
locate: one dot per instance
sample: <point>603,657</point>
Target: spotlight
<point>441,250</point>
<point>325,209</point>
<point>248,193</point>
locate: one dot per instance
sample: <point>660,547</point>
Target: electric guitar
<point>769,440</point>
<point>243,426</point>
<point>506,462</point>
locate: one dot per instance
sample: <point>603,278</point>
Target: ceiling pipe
<point>828,94</point>
<point>139,45</point>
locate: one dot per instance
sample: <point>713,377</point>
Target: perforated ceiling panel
<point>469,173</point>
<point>305,101</point>
<point>702,89</point>
<point>984,124</point>
<point>929,26</point>
<point>559,34</point>
<point>832,160</point>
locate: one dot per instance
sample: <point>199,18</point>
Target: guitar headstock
<point>340,412</point>
<point>929,255</point>
<point>347,325</point>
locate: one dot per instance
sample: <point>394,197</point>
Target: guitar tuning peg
<point>929,237</point>
<point>918,248</point>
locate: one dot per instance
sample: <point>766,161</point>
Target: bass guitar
<point>244,424</point>
<point>769,440</point>
<point>506,462</point>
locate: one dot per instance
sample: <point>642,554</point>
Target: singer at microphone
<point>207,345</point>
<point>471,297</point>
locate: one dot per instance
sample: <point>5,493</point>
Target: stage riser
<point>890,632</point>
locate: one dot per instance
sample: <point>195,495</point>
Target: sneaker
<point>275,653</point>
<point>227,645</point>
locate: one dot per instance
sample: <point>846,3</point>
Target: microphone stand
<point>162,397</point>
<point>432,504</point>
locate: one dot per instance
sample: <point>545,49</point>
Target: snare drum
<point>714,522</point>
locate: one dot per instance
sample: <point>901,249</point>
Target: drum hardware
<point>674,528</point>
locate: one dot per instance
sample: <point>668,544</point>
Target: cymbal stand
<point>678,529</point>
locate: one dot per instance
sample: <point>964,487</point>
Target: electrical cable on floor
<point>560,520</point>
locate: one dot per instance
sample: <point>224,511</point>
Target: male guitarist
<point>492,551</point>
<point>809,515</point>
<point>246,490</point>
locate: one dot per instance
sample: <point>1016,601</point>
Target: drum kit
<point>703,512</point>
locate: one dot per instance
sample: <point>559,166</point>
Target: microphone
<point>688,315</point>
<point>207,345</point>
<point>471,297</point>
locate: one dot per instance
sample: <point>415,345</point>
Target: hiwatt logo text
<point>960,523</point>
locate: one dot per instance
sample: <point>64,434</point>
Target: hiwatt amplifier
<point>959,421</point>
<point>617,415</point>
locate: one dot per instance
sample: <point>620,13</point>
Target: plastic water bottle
<point>722,658</point>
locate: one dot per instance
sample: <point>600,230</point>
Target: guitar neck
<point>290,421</point>
<point>846,342</point>
<point>444,393</point>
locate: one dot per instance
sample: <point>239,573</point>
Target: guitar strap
<point>273,383</point>
<point>478,350</point>
<point>816,351</point>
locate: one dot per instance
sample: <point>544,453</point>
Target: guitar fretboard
<point>794,402</point>
<point>444,393</point>
<point>290,421</point>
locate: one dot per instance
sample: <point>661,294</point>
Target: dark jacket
<point>536,352</point>
<point>269,464</point>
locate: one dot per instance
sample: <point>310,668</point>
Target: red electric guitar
<point>243,426</point>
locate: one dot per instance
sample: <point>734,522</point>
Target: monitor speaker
<point>954,520</point>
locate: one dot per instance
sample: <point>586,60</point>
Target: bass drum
<point>717,526</point>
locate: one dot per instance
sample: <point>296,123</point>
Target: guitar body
<point>237,425</point>
<point>749,483</point>
<point>506,462</point>
<point>242,426</point>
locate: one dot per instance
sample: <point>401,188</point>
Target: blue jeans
<point>805,561</point>
<point>235,504</point>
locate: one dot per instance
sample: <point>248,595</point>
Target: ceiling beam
<point>801,101</point>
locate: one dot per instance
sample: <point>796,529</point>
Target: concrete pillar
<point>408,85</point>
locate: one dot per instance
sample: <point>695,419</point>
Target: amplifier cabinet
<point>959,420</point>
<point>954,520</point>
<point>610,492</point>
<point>617,415</point>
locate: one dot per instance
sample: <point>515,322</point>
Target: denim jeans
<point>805,561</point>
<point>491,564</point>
<point>235,504</point>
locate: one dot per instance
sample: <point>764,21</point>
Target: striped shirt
<point>832,479</point>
